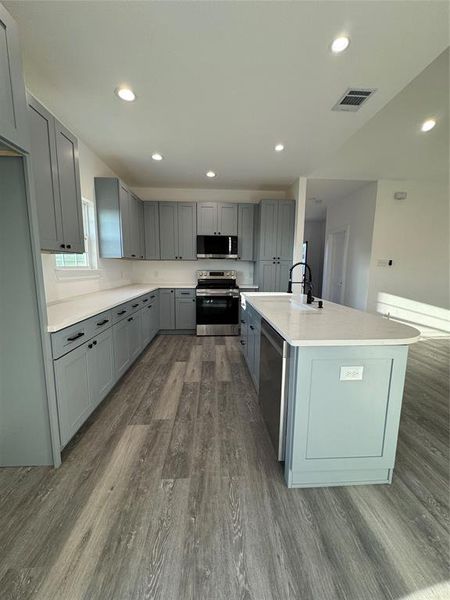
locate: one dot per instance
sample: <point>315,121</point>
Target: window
<point>81,263</point>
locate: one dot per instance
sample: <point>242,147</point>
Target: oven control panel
<point>216,274</point>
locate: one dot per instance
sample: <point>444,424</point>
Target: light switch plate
<point>351,373</point>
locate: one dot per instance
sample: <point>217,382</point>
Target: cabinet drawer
<point>71,337</point>
<point>154,296</point>
<point>120,312</point>
<point>135,305</point>
<point>185,293</point>
<point>101,321</point>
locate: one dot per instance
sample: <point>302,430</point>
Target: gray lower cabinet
<point>217,218</point>
<point>245,231</point>
<point>244,331</point>
<point>151,231</point>
<point>272,275</point>
<point>185,313</point>
<point>122,358</point>
<point>101,369</point>
<point>56,175</point>
<point>120,220</point>
<point>167,308</point>
<point>13,106</point>
<point>135,335</point>
<point>178,230</point>
<point>72,391</point>
<point>251,341</point>
<point>150,321</point>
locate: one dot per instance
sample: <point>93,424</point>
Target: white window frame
<point>90,270</point>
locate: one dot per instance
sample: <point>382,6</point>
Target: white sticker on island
<point>351,373</point>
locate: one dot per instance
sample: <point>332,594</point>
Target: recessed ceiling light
<point>157,156</point>
<point>210,174</point>
<point>340,44</point>
<point>125,94</point>
<point>428,125</point>
<point>279,148</point>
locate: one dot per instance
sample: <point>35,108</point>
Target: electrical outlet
<point>351,373</point>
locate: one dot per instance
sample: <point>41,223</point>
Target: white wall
<point>111,273</point>
<point>314,234</point>
<point>357,213</point>
<point>298,192</point>
<point>414,233</point>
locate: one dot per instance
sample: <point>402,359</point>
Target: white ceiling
<point>219,83</point>
<point>391,145</point>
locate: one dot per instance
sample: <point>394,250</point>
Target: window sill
<point>70,274</point>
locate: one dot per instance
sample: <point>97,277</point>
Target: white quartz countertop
<point>73,310</point>
<point>301,324</point>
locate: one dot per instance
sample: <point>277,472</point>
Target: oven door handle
<point>217,293</point>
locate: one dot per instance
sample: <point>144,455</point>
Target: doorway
<point>335,265</point>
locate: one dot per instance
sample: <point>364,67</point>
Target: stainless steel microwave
<point>217,246</point>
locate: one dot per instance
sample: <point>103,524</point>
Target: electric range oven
<point>217,303</point>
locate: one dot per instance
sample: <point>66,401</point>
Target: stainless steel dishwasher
<point>273,385</point>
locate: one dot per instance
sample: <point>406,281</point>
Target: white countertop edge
<point>333,342</point>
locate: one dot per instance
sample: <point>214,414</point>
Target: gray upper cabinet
<point>14,127</point>
<point>56,175</point>
<point>245,231</point>
<point>69,188</point>
<point>227,218</point>
<point>275,230</point>
<point>217,218</point>
<point>45,176</point>
<point>207,218</point>
<point>178,230</point>
<point>151,231</point>
<point>120,220</point>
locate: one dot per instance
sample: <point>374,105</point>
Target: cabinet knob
<point>133,255</point>
<point>242,342</point>
<point>251,327</point>
<point>180,257</point>
<point>130,319</point>
<point>68,246</point>
<point>89,345</point>
<point>62,245</point>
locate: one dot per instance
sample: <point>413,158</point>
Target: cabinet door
<point>282,275</point>
<point>257,351</point>
<point>135,335</point>
<point>207,218</point>
<point>121,348</point>
<point>285,230</point>
<point>69,188</point>
<point>227,218</point>
<point>245,231</point>
<point>13,106</point>
<point>250,356</point>
<point>151,231</point>
<point>45,176</point>
<point>244,332</point>
<point>155,317</point>
<point>137,227</point>
<point>185,317</point>
<point>187,230</point>
<point>126,216</point>
<point>167,309</point>
<point>168,230</point>
<point>100,366</point>
<point>72,391</point>
<point>147,324</point>
<point>268,230</point>
<point>266,276</point>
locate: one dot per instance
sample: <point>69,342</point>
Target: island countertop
<point>301,324</point>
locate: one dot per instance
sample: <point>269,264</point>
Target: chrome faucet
<point>304,282</point>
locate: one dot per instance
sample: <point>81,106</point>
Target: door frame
<point>326,283</point>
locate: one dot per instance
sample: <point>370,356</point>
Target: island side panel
<point>343,432</point>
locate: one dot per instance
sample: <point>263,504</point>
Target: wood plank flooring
<point>171,491</point>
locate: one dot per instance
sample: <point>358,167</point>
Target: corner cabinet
<point>56,176</point>
<point>13,105</point>
<point>217,218</point>
<point>178,230</point>
<point>120,220</point>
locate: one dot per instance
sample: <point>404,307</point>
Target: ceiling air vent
<point>353,99</point>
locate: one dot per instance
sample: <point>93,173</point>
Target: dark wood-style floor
<point>171,491</point>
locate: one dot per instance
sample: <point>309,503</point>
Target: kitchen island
<point>333,412</point>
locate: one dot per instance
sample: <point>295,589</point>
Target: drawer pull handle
<point>251,327</point>
<point>242,342</point>
<point>95,342</point>
<point>75,337</point>
<point>135,305</point>
<point>152,297</point>
<point>100,323</point>
<point>68,246</point>
<point>242,321</point>
<point>122,312</point>
<point>130,319</point>
<point>145,300</point>
<point>89,345</point>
